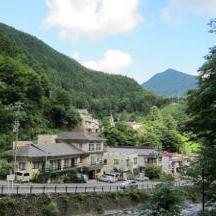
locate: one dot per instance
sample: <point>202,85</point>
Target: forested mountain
<point>170,83</point>
<point>89,89</point>
<point>50,85</point>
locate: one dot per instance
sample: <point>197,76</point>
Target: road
<point>29,188</point>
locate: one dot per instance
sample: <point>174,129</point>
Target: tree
<point>202,112</point>
<point>153,171</point>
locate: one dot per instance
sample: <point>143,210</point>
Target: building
<point>92,162</point>
<point>134,125</point>
<point>89,123</point>
<point>130,159</point>
<point>173,162</point>
<point>53,158</point>
<point>122,160</point>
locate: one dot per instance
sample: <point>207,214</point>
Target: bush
<point>52,209</point>
<point>72,177</point>
<point>40,178</point>
<point>5,168</point>
<point>167,177</point>
<point>167,197</point>
<point>153,171</point>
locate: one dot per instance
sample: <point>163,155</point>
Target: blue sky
<point>137,38</point>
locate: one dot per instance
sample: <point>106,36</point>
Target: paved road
<point>70,188</point>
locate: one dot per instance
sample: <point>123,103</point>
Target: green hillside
<point>170,83</point>
<point>89,89</point>
<point>50,85</point>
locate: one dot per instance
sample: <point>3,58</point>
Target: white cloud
<point>92,17</point>
<point>113,61</point>
<point>199,7</point>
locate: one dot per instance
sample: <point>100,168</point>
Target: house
<point>130,159</point>
<point>173,162</point>
<point>122,160</point>
<point>134,125</point>
<point>91,163</point>
<point>89,123</point>
<point>53,158</point>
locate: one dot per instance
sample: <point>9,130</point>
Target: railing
<point>60,168</point>
<point>38,189</point>
<point>91,164</point>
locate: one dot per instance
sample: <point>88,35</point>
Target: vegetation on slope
<point>50,85</point>
<point>171,83</point>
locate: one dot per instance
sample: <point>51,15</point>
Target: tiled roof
<point>78,135</point>
<point>130,150</point>
<point>46,150</point>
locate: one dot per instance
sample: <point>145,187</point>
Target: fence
<point>37,189</point>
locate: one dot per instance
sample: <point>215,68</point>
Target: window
<point>22,165</point>
<point>105,161</point>
<point>56,164</point>
<point>37,164</point>
<point>116,161</point>
<point>98,146</point>
<point>127,162</point>
<point>135,160</point>
<point>67,163</point>
<point>91,146</point>
<point>93,160</point>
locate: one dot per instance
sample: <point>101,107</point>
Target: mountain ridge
<point>170,83</point>
<point>97,91</point>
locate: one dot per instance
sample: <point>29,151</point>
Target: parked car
<point>130,184</point>
<point>115,176</point>
<point>22,176</point>
<point>106,178</point>
<point>141,177</point>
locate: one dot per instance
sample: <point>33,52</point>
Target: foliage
<point>153,171</point>
<point>165,200</point>
<point>121,134</point>
<point>202,112</point>
<point>50,85</point>
<point>159,131</point>
<point>5,169</point>
<point>40,178</point>
<point>52,209</point>
<point>71,177</point>
<point>167,177</point>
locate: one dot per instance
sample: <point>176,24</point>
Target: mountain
<point>170,83</point>
<point>88,89</point>
<point>50,85</point>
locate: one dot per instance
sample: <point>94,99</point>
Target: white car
<point>22,176</point>
<point>129,184</point>
<point>106,178</point>
<point>141,178</point>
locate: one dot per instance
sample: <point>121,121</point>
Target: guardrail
<point>37,189</point>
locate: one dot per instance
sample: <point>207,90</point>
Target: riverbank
<point>70,204</point>
<point>67,204</point>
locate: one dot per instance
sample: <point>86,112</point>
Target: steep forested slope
<point>49,85</point>
<point>90,89</point>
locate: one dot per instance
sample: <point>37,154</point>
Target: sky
<point>136,38</point>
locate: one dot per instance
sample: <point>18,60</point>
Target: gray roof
<point>46,150</point>
<point>133,150</point>
<point>78,135</point>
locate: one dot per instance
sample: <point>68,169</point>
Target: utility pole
<point>16,126</point>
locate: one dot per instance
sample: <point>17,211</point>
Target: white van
<point>22,176</point>
<point>114,176</point>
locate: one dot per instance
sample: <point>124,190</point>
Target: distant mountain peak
<point>170,82</point>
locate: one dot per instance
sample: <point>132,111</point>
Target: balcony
<point>92,165</point>
<point>51,169</point>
